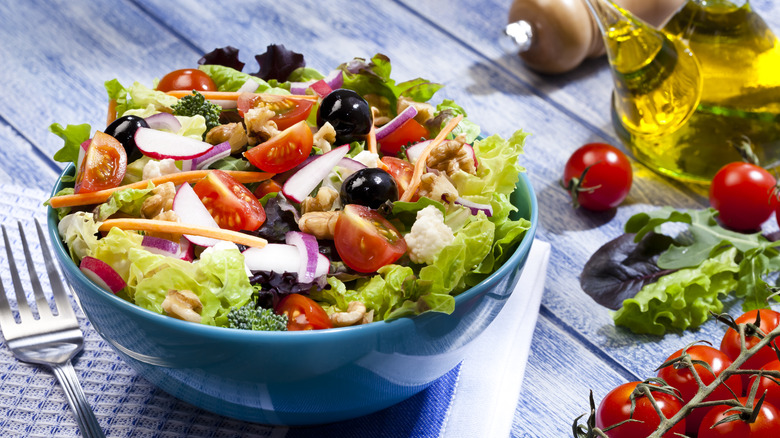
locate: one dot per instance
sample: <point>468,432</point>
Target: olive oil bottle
<point>686,95</point>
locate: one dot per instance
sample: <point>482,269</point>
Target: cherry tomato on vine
<point>743,195</point>
<point>766,424</point>
<point>303,313</point>
<point>685,381</point>
<point>730,344</point>
<point>616,407</point>
<point>186,79</point>
<point>771,387</point>
<point>598,176</point>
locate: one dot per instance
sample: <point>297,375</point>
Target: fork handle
<point>85,417</point>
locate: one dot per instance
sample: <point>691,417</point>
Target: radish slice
<point>161,246</point>
<point>470,150</point>
<point>161,144</point>
<point>335,79</point>
<point>474,206</point>
<point>102,274</point>
<point>394,124</point>
<point>250,86</point>
<point>278,257</point>
<point>218,152</point>
<point>414,151</point>
<point>351,165</point>
<point>299,185</point>
<point>191,210</point>
<point>186,250</point>
<point>82,152</point>
<point>308,248</point>
<point>163,121</point>
<point>320,88</point>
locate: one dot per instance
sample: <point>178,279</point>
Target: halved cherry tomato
<point>410,131</point>
<point>288,111</point>
<point>303,313</point>
<point>231,204</point>
<point>365,240</point>
<point>284,151</point>
<point>266,187</point>
<point>186,79</point>
<point>103,166</point>
<point>401,170</point>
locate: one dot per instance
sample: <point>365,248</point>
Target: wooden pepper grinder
<point>555,36</point>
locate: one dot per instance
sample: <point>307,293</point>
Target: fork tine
<point>6,317</point>
<point>44,311</point>
<point>60,296</point>
<point>21,299</point>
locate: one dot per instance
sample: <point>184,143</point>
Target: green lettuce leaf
<point>138,96</point>
<point>230,79</point>
<point>79,232</point>
<point>73,135</point>
<point>448,110</point>
<point>682,299</point>
<point>128,201</point>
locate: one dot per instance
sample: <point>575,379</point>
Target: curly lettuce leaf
<point>74,136</point>
<point>128,201</point>
<point>446,111</point>
<point>682,299</point>
<point>79,232</point>
<point>230,79</point>
<point>138,96</point>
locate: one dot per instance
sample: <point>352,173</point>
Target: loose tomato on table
<point>103,166</point>
<point>303,313</point>
<point>365,240</point>
<point>401,170</point>
<point>289,110</point>
<point>616,407</point>
<point>284,151</point>
<point>765,425</point>
<point>598,176</point>
<point>685,382</point>
<point>186,79</point>
<point>743,195</point>
<point>230,203</point>
<point>410,131</point>
<point>730,344</point>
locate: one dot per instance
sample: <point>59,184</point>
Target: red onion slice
<point>474,206</point>
<point>299,88</point>
<point>308,248</point>
<point>218,152</point>
<point>409,113</point>
<point>335,79</point>
<point>102,274</point>
<point>300,184</point>
<point>163,121</point>
<point>161,246</point>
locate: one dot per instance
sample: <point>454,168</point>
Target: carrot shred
<point>371,140</point>
<point>180,228</point>
<point>111,111</point>
<point>420,164</point>
<point>233,95</point>
<point>176,178</point>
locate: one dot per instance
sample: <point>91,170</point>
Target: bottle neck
<point>706,3</point>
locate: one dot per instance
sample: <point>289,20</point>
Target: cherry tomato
<point>303,313</point>
<point>766,384</point>
<point>766,424</point>
<point>231,204</point>
<point>616,407</point>
<point>186,79</point>
<point>598,176</point>
<point>365,240</point>
<point>742,193</point>
<point>730,344</point>
<point>410,131</point>
<point>266,187</point>
<point>401,170</point>
<point>284,151</point>
<point>289,111</point>
<point>103,166</point>
<point>685,382</point>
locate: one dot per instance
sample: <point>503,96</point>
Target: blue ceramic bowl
<point>298,378</point>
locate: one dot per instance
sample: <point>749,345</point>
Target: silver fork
<point>51,340</point>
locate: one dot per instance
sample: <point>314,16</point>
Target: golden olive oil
<point>739,65</point>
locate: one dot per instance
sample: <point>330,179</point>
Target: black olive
<point>123,129</point>
<point>349,114</point>
<point>370,187</point>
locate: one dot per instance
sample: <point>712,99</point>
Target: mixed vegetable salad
<point>287,199</point>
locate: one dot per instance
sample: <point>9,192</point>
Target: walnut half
<point>183,304</point>
<point>321,224</point>
<point>355,314</point>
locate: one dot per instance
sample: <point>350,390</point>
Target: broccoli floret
<point>249,317</point>
<point>195,104</point>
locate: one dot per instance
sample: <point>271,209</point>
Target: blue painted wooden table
<point>57,54</point>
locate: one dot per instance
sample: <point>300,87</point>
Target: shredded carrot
<point>233,95</point>
<point>180,228</point>
<point>111,111</point>
<point>420,164</point>
<point>371,140</point>
<point>176,178</point>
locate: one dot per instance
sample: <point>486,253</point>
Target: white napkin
<point>492,373</point>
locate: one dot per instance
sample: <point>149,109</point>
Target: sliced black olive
<point>123,129</point>
<point>349,114</point>
<point>370,187</point>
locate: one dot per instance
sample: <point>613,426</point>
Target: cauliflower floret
<point>429,235</point>
<point>155,168</point>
